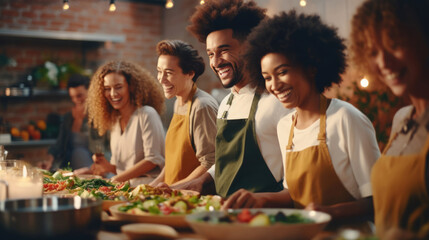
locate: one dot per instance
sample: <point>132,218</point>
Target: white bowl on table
<point>237,230</point>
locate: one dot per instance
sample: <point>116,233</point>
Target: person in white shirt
<point>125,99</point>
<point>328,145</point>
<point>247,151</point>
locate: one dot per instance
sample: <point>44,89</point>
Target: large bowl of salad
<point>258,223</point>
<point>162,209</point>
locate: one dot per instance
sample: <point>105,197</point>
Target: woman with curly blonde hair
<point>125,99</point>
<point>390,43</point>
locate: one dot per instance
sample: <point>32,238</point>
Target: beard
<point>236,78</point>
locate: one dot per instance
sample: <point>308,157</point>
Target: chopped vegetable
<point>258,218</point>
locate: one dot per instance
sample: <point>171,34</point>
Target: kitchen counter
<point>110,229</point>
<point>32,151</point>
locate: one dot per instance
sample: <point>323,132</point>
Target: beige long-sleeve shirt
<point>202,126</point>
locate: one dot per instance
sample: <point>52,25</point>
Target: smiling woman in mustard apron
<point>328,145</point>
<point>399,57</point>
<point>190,139</point>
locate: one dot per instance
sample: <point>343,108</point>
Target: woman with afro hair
<point>328,146</point>
<point>125,99</point>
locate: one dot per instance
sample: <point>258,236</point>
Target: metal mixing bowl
<point>49,217</point>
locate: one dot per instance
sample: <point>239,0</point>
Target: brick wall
<point>140,23</point>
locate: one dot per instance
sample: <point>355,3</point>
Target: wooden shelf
<point>37,93</point>
<point>30,143</point>
<point>43,92</point>
<point>63,35</point>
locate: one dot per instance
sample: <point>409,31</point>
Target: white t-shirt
<point>267,115</point>
<point>143,139</point>
<point>351,141</point>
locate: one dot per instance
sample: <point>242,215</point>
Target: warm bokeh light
<point>66,5</point>
<point>169,4</point>
<point>112,7</point>
<point>303,3</point>
<point>202,2</point>
<point>364,82</point>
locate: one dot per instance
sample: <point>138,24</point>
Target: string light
<point>66,5</point>
<point>303,3</point>
<point>169,4</point>
<point>112,6</point>
<point>364,82</point>
<point>202,2</point>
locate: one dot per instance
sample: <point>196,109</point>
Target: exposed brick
<point>139,22</point>
<point>40,23</point>
<point>29,14</point>
<point>66,16</point>
<point>10,13</point>
<point>6,20</point>
<point>56,23</point>
<point>22,21</point>
<point>48,16</point>
<point>18,5</point>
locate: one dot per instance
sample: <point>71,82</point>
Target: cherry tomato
<point>166,210</point>
<point>104,189</point>
<point>244,216</point>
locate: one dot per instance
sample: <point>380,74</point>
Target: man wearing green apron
<point>247,150</point>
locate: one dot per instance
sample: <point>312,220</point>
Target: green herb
<point>68,168</point>
<point>154,210</point>
<point>46,172</point>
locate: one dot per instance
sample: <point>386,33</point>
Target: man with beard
<point>247,150</point>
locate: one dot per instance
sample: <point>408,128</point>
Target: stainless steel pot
<point>49,217</point>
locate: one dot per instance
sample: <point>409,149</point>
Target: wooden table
<point>333,231</point>
<point>110,228</point>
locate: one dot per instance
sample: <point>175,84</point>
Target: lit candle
<point>20,187</point>
<point>25,188</point>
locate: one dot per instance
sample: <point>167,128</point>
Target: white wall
<point>337,13</point>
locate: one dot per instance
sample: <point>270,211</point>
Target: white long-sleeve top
<point>351,141</point>
<point>142,139</point>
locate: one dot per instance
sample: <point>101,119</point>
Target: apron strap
<point>254,106</point>
<point>289,144</point>
<point>425,148</point>
<point>323,107</point>
<point>322,131</point>
<point>190,97</point>
<point>393,137</point>
<point>229,102</point>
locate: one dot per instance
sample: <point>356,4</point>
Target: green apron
<point>239,162</point>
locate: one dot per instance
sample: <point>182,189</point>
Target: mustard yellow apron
<point>180,158</point>
<point>400,193</point>
<point>310,175</point>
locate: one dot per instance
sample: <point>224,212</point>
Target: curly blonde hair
<point>389,21</point>
<point>144,90</point>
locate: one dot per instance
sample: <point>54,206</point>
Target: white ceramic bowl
<point>244,231</point>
